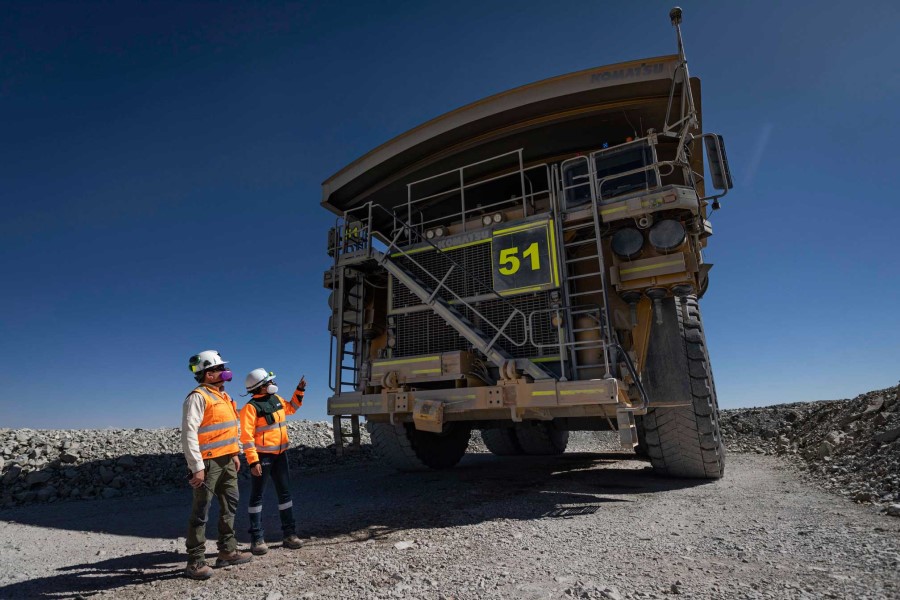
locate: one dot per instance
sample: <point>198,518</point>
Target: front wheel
<point>408,449</point>
<point>682,441</point>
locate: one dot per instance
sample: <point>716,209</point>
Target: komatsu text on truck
<point>530,265</point>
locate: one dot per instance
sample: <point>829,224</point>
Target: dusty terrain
<point>593,523</point>
<point>808,508</point>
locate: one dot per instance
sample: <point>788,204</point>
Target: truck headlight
<point>627,243</point>
<point>667,235</point>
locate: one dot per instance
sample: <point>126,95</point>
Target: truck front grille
<point>424,332</point>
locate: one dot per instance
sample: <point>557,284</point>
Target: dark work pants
<point>274,466</point>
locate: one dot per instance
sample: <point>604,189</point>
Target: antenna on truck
<point>687,98</point>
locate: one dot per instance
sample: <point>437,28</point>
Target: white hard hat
<point>258,377</point>
<point>205,360</point>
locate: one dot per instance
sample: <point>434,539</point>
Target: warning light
<point>605,145</point>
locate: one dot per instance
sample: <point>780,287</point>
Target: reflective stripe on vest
<point>219,444</point>
<point>280,448</point>
<point>271,427</point>
<point>217,426</point>
<point>218,434</point>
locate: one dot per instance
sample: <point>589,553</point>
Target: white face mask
<point>272,388</point>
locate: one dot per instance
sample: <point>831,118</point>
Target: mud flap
<point>428,415</point>
<point>627,429</point>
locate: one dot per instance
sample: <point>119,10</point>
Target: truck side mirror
<point>718,162</point>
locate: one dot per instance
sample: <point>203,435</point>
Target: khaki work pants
<point>221,477</point>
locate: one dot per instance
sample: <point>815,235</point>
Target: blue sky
<point>160,171</point>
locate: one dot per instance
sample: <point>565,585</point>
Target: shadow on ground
<point>365,502</point>
<point>90,578</point>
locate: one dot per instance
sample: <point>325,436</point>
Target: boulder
<point>127,462</point>
<point>46,493</point>
<point>106,475</point>
<point>109,492</point>
<point>36,477</point>
<point>886,437</point>
<point>875,405</point>
<point>12,474</point>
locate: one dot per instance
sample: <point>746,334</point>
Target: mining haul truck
<point>530,265</point>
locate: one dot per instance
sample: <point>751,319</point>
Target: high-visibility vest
<point>257,436</point>
<point>218,433</point>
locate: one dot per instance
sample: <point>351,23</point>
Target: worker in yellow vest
<point>210,437</point>
<point>265,440</point>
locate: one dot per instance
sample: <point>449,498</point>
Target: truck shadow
<point>483,488</point>
<point>343,505</point>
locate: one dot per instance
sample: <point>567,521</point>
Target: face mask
<point>272,388</point>
<point>225,375</point>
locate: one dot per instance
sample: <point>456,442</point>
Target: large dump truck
<point>530,265</point>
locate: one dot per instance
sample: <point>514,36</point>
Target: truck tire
<point>541,438</point>
<point>682,441</point>
<point>502,441</point>
<point>408,449</point>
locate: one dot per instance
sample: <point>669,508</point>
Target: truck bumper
<point>515,400</point>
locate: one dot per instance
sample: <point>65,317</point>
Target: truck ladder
<point>584,268</point>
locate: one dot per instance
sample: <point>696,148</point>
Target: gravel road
<point>582,525</point>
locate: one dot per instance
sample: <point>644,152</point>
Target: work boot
<point>292,542</point>
<point>199,571</point>
<point>259,548</point>
<point>236,557</point>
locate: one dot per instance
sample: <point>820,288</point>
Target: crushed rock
<point>851,447</point>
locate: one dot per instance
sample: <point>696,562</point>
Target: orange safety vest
<point>258,436</point>
<point>218,434</point>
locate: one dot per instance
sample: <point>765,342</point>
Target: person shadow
<point>91,578</point>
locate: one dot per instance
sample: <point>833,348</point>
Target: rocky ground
<point>102,513</point>
<point>54,465</point>
<point>851,447</point>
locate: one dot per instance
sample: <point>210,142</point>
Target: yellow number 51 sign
<point>524,258</point>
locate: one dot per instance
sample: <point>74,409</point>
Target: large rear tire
<point>502,441</point>
<point>682,441</point>
<point>408,449</point>
<point>541,438</point>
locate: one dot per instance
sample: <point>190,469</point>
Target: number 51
<point>510,263</point>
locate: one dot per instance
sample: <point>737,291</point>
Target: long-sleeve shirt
<point>192,412</point>
<point>258,436</point>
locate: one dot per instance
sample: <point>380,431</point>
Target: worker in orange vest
<point>265,440</point>
<point>210,439</point>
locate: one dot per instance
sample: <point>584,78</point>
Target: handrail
<point>573,310</point>
<point>392,245</point>
<point>440,284</point>
<point>461,187</point>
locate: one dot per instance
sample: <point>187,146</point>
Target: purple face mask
<point>225,375</point>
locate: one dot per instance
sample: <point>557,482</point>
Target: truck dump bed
<point>549,119</point>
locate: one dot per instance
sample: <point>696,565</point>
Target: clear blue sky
<point>160,171</point>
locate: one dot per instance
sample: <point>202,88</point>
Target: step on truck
<point>529,265</point>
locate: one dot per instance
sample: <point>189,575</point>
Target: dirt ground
<point>581,525</point>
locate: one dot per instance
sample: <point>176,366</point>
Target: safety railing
<point>355,236</point>
<point>587,184</point>
<point>565,320</point>
<point>413,213</point>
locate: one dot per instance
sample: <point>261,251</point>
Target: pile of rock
<point>850,446</point>
<point>53,465</point>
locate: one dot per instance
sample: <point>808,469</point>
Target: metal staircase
<point>431,293</point>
